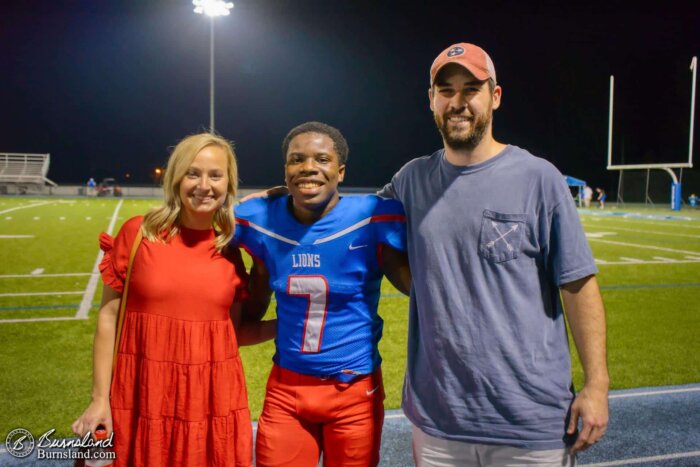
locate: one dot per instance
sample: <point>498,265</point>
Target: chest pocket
<point>501,236</point>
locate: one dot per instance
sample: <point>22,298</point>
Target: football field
<point>649,263</point>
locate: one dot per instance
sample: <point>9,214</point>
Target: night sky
<point>108,87</point>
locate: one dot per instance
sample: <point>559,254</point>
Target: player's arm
<point>247,317</point>
<point>270,192</point>
<point>396,268</point>
<point>99,411</point>
<point>260,293</point>
<point>585,313</point>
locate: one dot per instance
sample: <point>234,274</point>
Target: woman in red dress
<point>178,396</point>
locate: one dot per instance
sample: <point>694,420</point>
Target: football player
<point>324,256</point>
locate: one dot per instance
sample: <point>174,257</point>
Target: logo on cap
<point>457,50</point>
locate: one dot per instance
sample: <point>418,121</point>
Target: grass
<point>46,366</point>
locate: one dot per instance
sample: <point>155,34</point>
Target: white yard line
<point>16,236</point>
<point>37,271</point>
<point>599,234</point>
<point>32,320</point>
<point>89,294</point>
<point>399,414</point>
<point>648,247</point>
<point>684,224</point>
<point>653,393</point>
<point>393,416</point>
<point>638,262</point>
<point>27,206</point>
<point>33,276</point>
<point>34,294</point>
<point>640,460</point>
<point>631,260</point>
<point>654,232</point>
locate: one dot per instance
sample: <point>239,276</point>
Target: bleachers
<point>25,169</point>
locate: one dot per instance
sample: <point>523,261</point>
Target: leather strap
<point>122,304</point>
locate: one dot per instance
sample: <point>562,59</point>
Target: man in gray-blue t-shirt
<point>494,239</point>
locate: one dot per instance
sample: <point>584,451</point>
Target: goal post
<point>668,168</point>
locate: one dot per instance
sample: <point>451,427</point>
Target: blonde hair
<point>163,222</point>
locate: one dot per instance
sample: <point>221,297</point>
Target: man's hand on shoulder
<point>274,191</point>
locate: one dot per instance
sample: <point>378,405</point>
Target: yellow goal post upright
<point>669,168</point>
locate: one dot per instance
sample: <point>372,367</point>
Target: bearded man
<point>498,256</point>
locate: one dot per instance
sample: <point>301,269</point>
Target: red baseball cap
<point>470,56</point>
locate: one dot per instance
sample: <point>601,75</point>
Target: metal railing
<point>25,168</point>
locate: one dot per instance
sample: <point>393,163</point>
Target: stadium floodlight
<point>212,9</point>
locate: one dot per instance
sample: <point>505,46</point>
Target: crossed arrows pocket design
<point>501,236</point>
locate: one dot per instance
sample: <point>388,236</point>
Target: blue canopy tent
<point>571,181</point>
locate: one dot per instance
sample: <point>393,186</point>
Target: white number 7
<point>315,288</point>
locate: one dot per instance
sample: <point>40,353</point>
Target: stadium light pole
<point>212,9</point>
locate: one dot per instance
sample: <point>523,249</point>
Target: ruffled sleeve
<point>242,293</point>
<point>116,253</point>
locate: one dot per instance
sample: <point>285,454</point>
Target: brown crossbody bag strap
<point>122,304</point>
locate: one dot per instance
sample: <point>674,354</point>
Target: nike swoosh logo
<point>355,247</point>
<point>372,391</point>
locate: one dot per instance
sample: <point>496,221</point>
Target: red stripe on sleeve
<point>388,218</point>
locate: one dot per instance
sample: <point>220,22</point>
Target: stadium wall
<point>138,191</point>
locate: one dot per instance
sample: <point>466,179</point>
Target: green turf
<point>653,312</point>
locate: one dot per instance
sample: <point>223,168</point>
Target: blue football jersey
<point>326,277</point>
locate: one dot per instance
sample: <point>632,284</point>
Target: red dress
<point>178,396</point>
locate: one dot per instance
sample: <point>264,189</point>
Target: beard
<point>460,140</point>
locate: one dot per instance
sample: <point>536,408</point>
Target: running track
<point>648,427</point>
